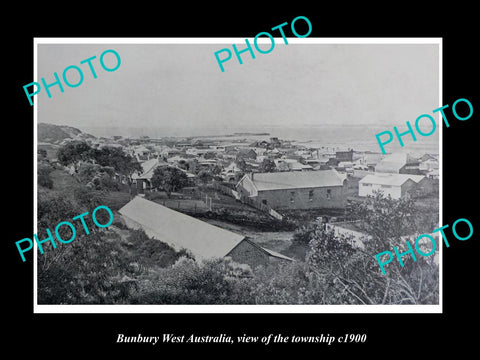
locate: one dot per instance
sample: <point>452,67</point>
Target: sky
<point>180,86</point>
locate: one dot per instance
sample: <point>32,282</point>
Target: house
<point>433,174</point>
<point>246,154</point>
<point>199,151</point>
<point>344,155</point>
<point>231,173</point>
<point>426,157</point>
<point>263,143</point>
<point>296,189</point>
<point>291,165</point>
<point>345,166</point>
<point>141,153</point>
<point>143,180</point>
<point>274,153</point>
<point>370,160</point>
<point>217,148</point>
<point>202,240</point>
<point>168,152</point>
<point>395,185</point>
<point>332,162</point>
<point>274,142</point>
<point>428,165</point>
<point>398,163</point>
<point>176,159</point>
<point>360,171</point>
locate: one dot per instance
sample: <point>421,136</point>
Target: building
<point>345,166</point>
<point>395,185</point>
<point>296,189</point>
<point>433,174</point>
<point>231,173</point>
<point>291,165</point>
<point>144,180</point>
<point>200,239</point>
<point>425,157</point>
<point>246,154</point>
<point>370,160</point>
<point>141,153</point>
<point>344,155</point>
<point>398,163</point>
<point>428,165</point>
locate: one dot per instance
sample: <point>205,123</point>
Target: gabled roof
<point>178,230</point>
<point>390,179</point>
<point>427,157</point>
<point>291,164</point>
<point>247,152</point>
<point>140,149</point>
<point>297,180</point>
<point>148,168</point>
<point>394,162</point>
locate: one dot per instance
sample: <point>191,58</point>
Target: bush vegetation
<point>121,266</point>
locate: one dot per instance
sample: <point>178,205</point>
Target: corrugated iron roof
<point>178,230</point>
<point>390,179</point>
<point>394,162</point>
<point>297,180</point>
<point>149,167</point>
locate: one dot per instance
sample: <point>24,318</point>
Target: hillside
<point>55,134</point>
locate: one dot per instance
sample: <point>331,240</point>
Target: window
<point>386,186</point>
<point>329,194</point>
<point>366,185</point>
<point>292,195</point>
<point>264,202</point>
<point>310,195</point>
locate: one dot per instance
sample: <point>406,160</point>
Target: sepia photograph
<point>263,184</point>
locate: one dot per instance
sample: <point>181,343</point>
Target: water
<point>357,137</point>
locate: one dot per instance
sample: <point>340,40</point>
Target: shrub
<point>45,181</point>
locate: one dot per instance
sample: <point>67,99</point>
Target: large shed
<point>395,185</point>
<point>398,163</point>
<point>296,189</point>
<point>202,240</point>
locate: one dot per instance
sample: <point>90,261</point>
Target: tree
<point>387,219</point>
<point>115,157</point>
<point>205,176</point>
<point>73,152</point>
<point>183,164</point>
<point>351,274</point>
<point>86,172</point>
<point>267,165</point>
<point>241,164</point>
<point>345,273</point>
<point>169,179</point>
<point>216,170</point>
<point>339,269</point>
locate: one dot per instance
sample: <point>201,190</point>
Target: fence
<point>189,205</point>
<point>246,200</point>
<point>226,190</point>
<point>195,201</point>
